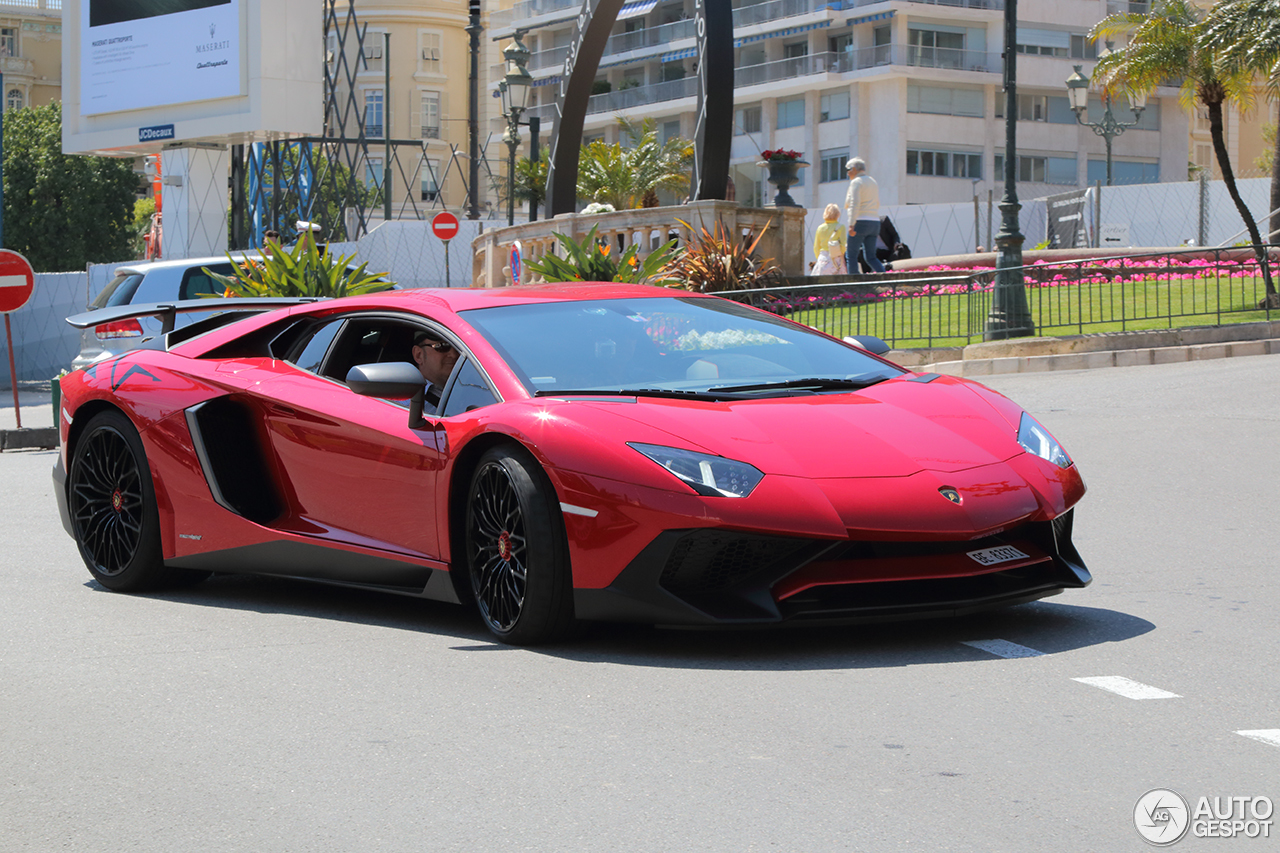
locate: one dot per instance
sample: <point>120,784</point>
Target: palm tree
<point>1165,44</point>
<point>630,176</point>
<point>1245,34</point>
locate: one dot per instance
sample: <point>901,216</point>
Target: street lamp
<point>1108,128</point>
<point>1010,316</point>
<point>514,88</point>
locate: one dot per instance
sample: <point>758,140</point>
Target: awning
<point>790,31</point>
<point>679,54</point>
<point>546,81</point>
<point>636,8</point>
<point>865,19</point>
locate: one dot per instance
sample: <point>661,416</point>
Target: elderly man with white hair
<point>863,204</point>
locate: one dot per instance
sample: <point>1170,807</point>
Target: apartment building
<point>427,100</point>
<point>912,87</point>
<point>31,52</point>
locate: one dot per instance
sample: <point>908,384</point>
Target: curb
<point>39,438</point>
<point>1104,358</point>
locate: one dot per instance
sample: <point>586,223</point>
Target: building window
<point>430,50</point>
<point>942,100</point>
<point>371,46</point>
<point>1083,47</point>
<point>1043,170</point>
<point>373,112</point>
<point>841,43</point>
<point>373,173</point>
<point>746,120</point>
<point>791,113</point>
<point>670,131</point>
<point>1034,42</point>
<point>8,41</point>
<point>1054,109</point>
<point>795,50</point>
<point>430,180</point>
<point>1124,172</point>
<point>14,100</point>
<point>430,115</point>
<point>935,49</point>
<point>834,165</point>
<point>944,164</point>
<point>834,106</point>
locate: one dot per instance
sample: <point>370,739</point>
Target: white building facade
<point>914,88</point>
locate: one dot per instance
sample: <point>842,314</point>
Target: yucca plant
<point>593,259</point>
<point>301,271</point>
<point>717,260</point>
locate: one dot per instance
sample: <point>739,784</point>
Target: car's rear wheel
<point>113,508</point>
<point>517,557</point>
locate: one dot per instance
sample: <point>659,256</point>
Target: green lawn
<point>1114,306</point>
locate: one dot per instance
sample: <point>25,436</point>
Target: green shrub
<point>301,271</point>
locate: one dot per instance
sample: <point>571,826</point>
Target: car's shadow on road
<point>1044,626</point>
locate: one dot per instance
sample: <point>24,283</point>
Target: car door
<point>352,469</point>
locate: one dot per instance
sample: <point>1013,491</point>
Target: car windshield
<point>670,347</point>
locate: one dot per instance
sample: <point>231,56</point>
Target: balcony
<point>46,5</point>
<point>526,9</point>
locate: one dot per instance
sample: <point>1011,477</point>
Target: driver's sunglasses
<point>438,346</point>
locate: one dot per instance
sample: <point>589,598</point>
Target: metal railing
<point>1094,295</point>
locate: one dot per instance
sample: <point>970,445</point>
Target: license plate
<point>999,554</point>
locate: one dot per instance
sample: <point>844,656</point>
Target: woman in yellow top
<point>829,232</point>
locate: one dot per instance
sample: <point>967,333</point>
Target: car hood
<point>893,429</point>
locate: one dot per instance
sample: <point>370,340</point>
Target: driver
<point>435,359</point>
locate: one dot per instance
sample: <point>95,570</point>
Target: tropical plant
<point>718,260</point>
<point>1167,44</point>
<point>62,211</point>
<point>531,179</point>
<point>629,176</point>
<point>592,259</point>
<point>1246,36</point>
<point>300,271</point>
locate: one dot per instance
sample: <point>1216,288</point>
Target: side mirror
<point>392,380</point>
<point>870,343</point>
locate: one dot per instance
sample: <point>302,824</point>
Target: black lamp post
<point>1109,128</point>
<point>1009,317</point>
<point>514,88</point>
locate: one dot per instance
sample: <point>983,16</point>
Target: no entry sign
<point>444,225</point>
<point>17,281</point>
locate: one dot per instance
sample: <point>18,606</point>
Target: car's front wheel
<point>517,557</point>
<point>113,508</point>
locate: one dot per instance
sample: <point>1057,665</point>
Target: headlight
<point>1036,440</point>
<point>713,476</point>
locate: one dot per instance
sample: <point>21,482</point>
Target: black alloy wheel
<point>517,557</point>
<point>113,507</point>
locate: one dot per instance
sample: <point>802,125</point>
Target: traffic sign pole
<point>445,226</point>
<point>13,374</point>
<point>17,281</point>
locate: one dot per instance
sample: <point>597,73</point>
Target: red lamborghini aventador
<point>598,452</point>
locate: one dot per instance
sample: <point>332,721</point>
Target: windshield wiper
<point>812,383</point>
<point>671,393</point>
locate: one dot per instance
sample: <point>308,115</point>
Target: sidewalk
<point>36,410</point>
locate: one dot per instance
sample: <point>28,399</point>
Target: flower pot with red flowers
<point>784,173</point>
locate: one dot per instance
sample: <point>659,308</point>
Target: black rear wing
<point>169,311</point>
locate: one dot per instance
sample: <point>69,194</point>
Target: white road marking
<point>1127,687</point>
<point>578,510</point>
<point>1269,736</point>
<point>1003,648</point>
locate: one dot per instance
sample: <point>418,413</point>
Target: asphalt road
<point>261,715</point>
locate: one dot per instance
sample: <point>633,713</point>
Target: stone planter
<point>784,174</point>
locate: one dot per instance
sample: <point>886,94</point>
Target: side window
<point>468,391</point>
<point>312,354</point>
<point>197,283</point>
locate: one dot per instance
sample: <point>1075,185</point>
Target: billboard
<point>137,54</point>
<point>142,76</point>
